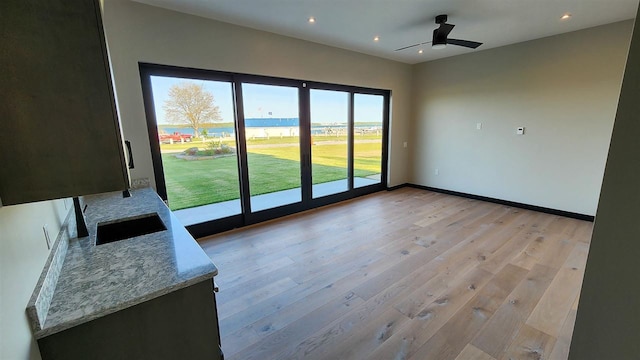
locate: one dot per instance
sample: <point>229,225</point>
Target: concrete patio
<point>224,209</point>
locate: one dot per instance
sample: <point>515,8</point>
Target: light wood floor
<point>404,274</point>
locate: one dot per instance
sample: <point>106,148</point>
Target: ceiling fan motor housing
<point>438,38</point>
<point>441,19</point>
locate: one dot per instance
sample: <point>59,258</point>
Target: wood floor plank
<point>274,304</point>
<point>253,271</point>
<point>310,266</point>
<point>517,243</point>
<point>550,313</point>
<point>530,344</point>
<point>231,291</point>
<point>563,342</point>
<point>263,320</point>
<point>401,274</point>
<point>277,344</point>
<point>413,303</point>
<point>550,250</point>
<point>556,254</point>
<point>433,316</point>
<point>512,314</point>
<point>546,246</point>
<point>322,342</point>
<point>451,339</point>
<point>433,214</point>
<point>447,255</point>
<point>491,219</point>
<point>343,218</point>
<point>254,296</point>
<point>392,276</point>
<point>449,273</point>
<point>365,339</point>
<point>584,232</point>
<point>444,228</point>
<point>318,345</point>
<point>471,352</point>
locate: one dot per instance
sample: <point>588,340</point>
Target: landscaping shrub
<point>193,151</point>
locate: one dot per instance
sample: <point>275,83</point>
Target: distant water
<point>210,131</point>
<point>271,122</point>
<point>255,123</point>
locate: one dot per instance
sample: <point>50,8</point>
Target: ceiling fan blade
<point>410,46</point>
<point>465,43</point>
<point>445,29</point>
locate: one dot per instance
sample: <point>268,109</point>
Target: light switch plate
<point>520,130</point>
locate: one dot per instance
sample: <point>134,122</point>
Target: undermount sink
<point>128,227</point>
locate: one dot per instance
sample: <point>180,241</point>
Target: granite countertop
<point>95,281</point>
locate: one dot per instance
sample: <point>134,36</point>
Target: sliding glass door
<point>368,113</point>
<point>195,126</point>
<point>329,142</point>
<point>272,133</point>
<point>233,149</point>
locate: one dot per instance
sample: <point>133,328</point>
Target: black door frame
<point>248,217</point>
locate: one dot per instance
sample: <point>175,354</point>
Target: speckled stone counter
<point>95,281</point>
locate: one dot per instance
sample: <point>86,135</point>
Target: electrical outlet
<point>479,126</point>
<point>140,183</point>
<point>404,144</point>
<point>437,171</point>
<point>46,236</point>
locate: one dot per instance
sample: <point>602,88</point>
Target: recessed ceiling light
<point>420,51</point>
<point>312,20</point>
<point>376,38</point>
<point>566,16</point>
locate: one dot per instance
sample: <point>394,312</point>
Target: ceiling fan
<point>440,39</point>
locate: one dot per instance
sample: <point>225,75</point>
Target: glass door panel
<point>329,142</point>
<point>368,115</point>
<point>196,132</point>
<point>272,132</point>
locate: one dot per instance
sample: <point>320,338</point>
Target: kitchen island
<point>149,295</point>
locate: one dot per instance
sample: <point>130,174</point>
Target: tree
<point>191,104</point>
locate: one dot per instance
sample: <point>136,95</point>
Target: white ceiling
<point>352,24</point>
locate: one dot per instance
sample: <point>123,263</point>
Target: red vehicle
<point>175,137</point>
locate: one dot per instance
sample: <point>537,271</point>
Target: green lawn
<point>199,142</point>
<point>201,182</point>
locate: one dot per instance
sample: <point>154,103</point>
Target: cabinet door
<point>59,133</point>
<point>182,324</point>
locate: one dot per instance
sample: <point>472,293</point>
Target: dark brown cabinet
<point>180,325</point>
<point>60,134</point>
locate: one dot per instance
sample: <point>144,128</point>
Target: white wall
<point>23,253</point>
<point>137,32</point>
<point>607,324</point>
<point>563,89</point>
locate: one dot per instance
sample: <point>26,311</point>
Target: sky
<point>268,101</point>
